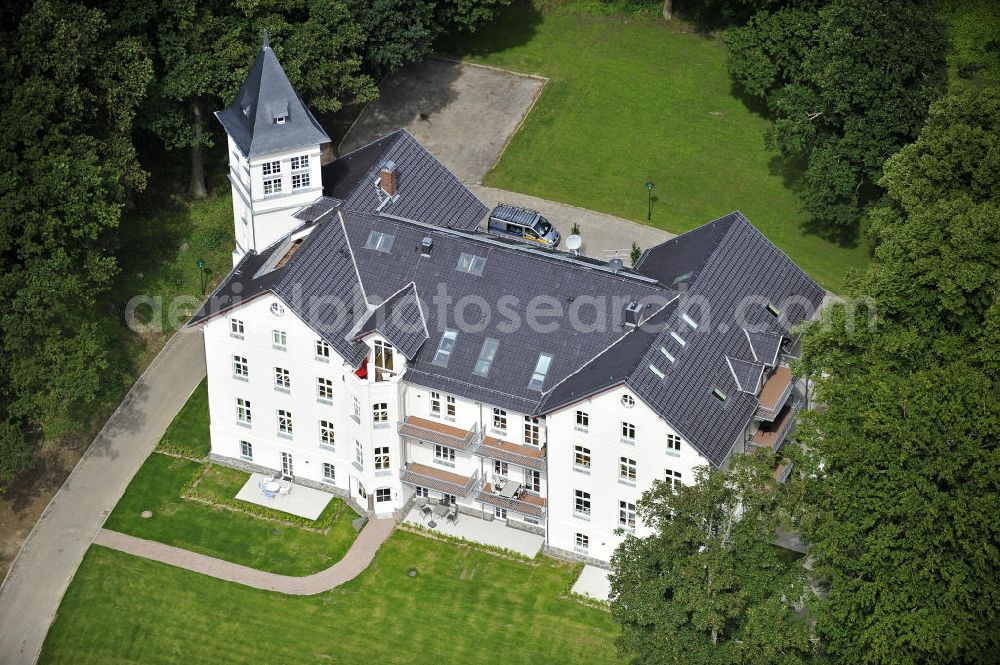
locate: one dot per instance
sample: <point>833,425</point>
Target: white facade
<point>345,434</point>
<point>267,191</point>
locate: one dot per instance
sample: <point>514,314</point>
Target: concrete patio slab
<point>594,583</point>
<point>302,501</point>
<point>463,114</point>
<point>495,533</point>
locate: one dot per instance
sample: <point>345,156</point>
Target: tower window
<point>300,180</point>
<point>270,168</point>
<point>272,186</point>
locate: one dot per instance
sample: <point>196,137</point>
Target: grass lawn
<point>465,607</point>
<point>248,539</point>
<point>188,433</point>
<point>629,99</point>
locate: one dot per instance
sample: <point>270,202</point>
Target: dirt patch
<point>463,114</point>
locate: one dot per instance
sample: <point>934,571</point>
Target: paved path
<point>35,584</point>
<point>353,564</point>
<point>604,236</point>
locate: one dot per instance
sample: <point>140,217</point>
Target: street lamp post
<point>649,200</point>
<point>201,273</point>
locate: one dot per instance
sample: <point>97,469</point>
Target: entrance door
<point>286,464</point>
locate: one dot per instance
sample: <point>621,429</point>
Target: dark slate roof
<point>427,191</point>
<point>318,209</point>
<point>265,93</point>
<point>746,373</point>
<point>400,320</point>
<point>764,346</point>
<point>679,260</point>
<point>743,272</point>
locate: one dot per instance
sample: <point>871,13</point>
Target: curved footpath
<point>49,557</point>
<point>357,558</point>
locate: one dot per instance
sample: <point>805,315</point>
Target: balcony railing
<point>442,481</point>
<point>772,435</point>
<point>528,503</point>
<point>439,433</point>
<point>529,457</point>
<point>774,393</point>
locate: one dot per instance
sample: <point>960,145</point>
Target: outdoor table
<point>273,486</point>
<point>510,489</point>
<point>441,509</point>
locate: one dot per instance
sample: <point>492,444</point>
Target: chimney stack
<point>425,246</point>
<point>632,311</point>
<point>387,178</point>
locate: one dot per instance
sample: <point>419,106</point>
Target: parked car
<point>513,222</point>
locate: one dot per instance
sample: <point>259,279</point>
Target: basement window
<point>381,242</point>
<point>721,396</point>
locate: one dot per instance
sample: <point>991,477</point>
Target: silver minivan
<point>513,222</point>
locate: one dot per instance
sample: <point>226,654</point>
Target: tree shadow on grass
<point>515,25</point>
<point>710,16</point>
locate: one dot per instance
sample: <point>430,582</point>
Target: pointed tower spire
<point>267,43</point>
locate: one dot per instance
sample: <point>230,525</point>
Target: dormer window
<point>280,119</point>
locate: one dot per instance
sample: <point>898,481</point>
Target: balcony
<point>774,393</point>
<point>527,503</point>
<point>529,457</point>
<point>442,481</point>
<point>439,433</point>
<point>771,435</point>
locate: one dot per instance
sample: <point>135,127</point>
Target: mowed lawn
<point>463,607</point>
<point>632,99</point>
<point>258,540</point>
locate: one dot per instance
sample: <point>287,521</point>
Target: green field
<point>188,433</point>
<point>464,607</point>
<point>631,98</point>
<point>258,540</point>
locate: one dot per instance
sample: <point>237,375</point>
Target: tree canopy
<point>848,83</point>
<point>709,585</point>
<point>905,490</point>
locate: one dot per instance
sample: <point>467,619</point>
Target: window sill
<point>330,481</point>
<point>240,423</point>
<point>358,467</point>
<point>323,400</point>
<point>580,550</point>
<point>284,435</point>
<point>382,473</point>
<point>498,432</point>
<point>321,359</point>
<point>627,483</point>
<point>381,425</point>
<point>236,336</point>
<point>278,347</point>
<point>279,389</point>
<point>327,448</point>
<point>239,377</point>
<point>581,469</point>
<point>450,419</point>
<point>673,453</point>
<point>582,516</point>
<point>628,442</point>
<point>434,415</point>
<point>584,430</point>
<point>444,463</point>
<point>245,458</point>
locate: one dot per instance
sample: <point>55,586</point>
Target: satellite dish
<point>573,243</point>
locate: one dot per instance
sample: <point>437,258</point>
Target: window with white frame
<point>246,450</point>
<point>272,186</point>
<point>500,468</point>
<point>361,491</point>
<point>284,422</point>
<point>324,388</point>
<point>448,499</point>
<point>532,431</point>
<point>449,406</point>
<point>326,435</point>
<point>582,421</point>
<point>279,338</point>
<point>287,467</point>
<point>356,406</point>
<point>422,492</point>
<point>672,478</point>
<point>329,473</point>
<point>533,480</point>
<point>581,457</point>
<point>626,515</point>
<point>444,455</point>
<point>282,378</point>
<point>236,327</point>
<point>300,162</point>
<point>384,361</point>
<point>581,543</point>
<point>322,349</point>
<point>435,404</point>
<point>628,432</point>
<point>499,513</point>
<point>300,180</point>
<point>627,469</point>
<point>359,455</point>
<point>581,503</point>
<point>243,414</point>
<point>380,412</point>
<point>240,367</point>
<point>499,420</point>
<point>270,168</point>
<point>447,344</point>
<point>381,458</point>
<point>628,401</point>
<point>383,494</point>
<point>673,442</point>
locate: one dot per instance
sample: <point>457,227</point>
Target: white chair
<point>284,489</point>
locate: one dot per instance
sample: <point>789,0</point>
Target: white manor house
<point>373,341</point>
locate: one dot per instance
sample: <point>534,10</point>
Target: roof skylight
<point>773,310</point>
<point>688,320</point>
<point>678,338</point>
<point>719,394</point>
<point>486,357</point>
<point>541,369</point>
<point>669,356</point>
<point>379,241</point>
<point>471,263</point>
<point>654,370</point>
<point>447,344</point>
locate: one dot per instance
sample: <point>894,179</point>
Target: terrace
<point>774,393</point>
<point>440,480</point>
<point>526,503</point>
<point>771,435</point>
<point>529,457</point>
<point>439,433</point>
